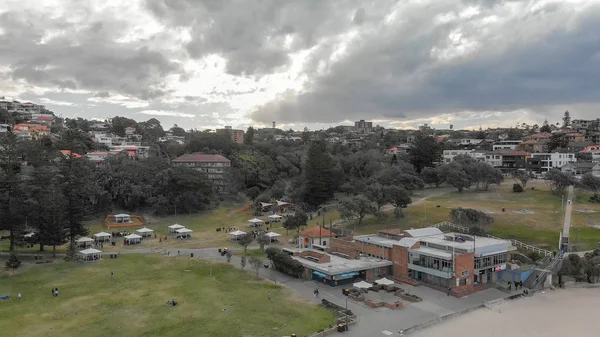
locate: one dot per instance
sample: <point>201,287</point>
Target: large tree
<point>249,136</point>
<point>295,222</point>
<point>546,127</point>
<point>592,183</point>
<point>522,177</point>
<point>397,196</point>
<point>471,217</point>
<point>433,176</point>
<point>424,151</point>
<point>556,141</point>
<point>566,119</point>
<point>357,207</point>
<point>12,194</point>
<point>319,174</point>
<point>558,181</point>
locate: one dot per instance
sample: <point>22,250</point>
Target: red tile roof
<point>317,232</point>
<point>201,158</point>
<point>67,153</point>
<point>36,127</point>
<point>44,118</point>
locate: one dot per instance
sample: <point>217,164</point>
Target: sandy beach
<point>565,312</point>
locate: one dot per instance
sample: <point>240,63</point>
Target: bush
<point>517,188</point>
<point>534,256</point>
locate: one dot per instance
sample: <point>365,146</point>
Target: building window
<point>465,273</point>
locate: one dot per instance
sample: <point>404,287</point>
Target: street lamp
<point>346,314</point>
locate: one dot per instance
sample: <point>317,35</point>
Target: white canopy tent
<point>363,285</point>
<point>84,242</point>
<point>122,218</point>
<point>133,239</point>
<point>275,217</point>
<point>236,235</point>
<point>255,222</point>
<point>273,236</point>
<point>102,237</point>
<point>90,254</point>
<point>184,233</point>
<point>145,232</point>
<point>384,281</point>
<point>175,227</point>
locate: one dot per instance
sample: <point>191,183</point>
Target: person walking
<point>112,275</point>
<point>19,297</point>
<point>56,292</point>
<point>269,294</point>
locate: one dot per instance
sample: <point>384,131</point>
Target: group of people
<point>172,303</point>
<point>517,285</point>
<point>99,244</point>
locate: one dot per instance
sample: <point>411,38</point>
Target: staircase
<point>540,273</point>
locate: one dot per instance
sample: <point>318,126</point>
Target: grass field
<point>541,227</point>
<point>230,303</point>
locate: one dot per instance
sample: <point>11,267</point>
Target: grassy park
<point>134,303</point>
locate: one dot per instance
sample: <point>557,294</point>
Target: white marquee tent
<point>175,227</point>
<point>133,239</point>
<point>384,281</point>
<point>273,236</point>
<point>184,233</point>
<point>275,217</point>
<point>255,222</point>
<point>236,235</point>
<point>102,237</point>
<point>363,284</point>
<point>145,232</point>
<point>84,242</point>
<point>90,254</point>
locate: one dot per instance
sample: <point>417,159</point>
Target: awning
<point>354,273</point>
<point>272,234</point>
<point>255,220</point>
<point>363,284</point>
<point>385,282</point>
<point>318,273</point>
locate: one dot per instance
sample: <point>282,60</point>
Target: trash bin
<point>191,254</point>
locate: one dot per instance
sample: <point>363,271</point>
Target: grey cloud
<point>359,16</point>
<point>393,75</point>
<point>102,94</point>
<point>85,58</point>
<point>251,34</point>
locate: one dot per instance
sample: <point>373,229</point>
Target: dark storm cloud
<point>83,57</point>
<point>394,74</point>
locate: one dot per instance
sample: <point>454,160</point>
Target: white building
<point>448,155</point>
<point>506,145</point>
<point>494,159</point>
<point>549,161</point>
<point>470,141</point>
<point>315,236</point>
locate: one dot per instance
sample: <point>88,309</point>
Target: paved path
<point>568,209</point>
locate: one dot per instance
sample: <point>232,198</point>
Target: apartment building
<point>362,126</point>
<point>237,136</point>
<point>506,145</point>
<point>585,124</point>
<point>216,167</point>
<point>594,150</point>
<point>544,162</point>
<point>449,155</point>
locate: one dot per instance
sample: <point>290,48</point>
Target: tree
<point>399,197</point>
<point>566,120</point>
<point>545,127</point>
<point>243,261</point>
<point>557,141</point>
<point>375,193</point>
<point>425,151</point>
<point>487,175</point>
<point>591,183</point>
<point>455,176</point>
<point>262,239</point>
<point>357,207</point>
<point>13,262</point>
<point>471,217</point>
<point>12,217</point>
<point>255,264</point>
<point>319,175</point>
<point>249,136</point>
<point>295,222</point>
<point>433,176</point>
<point>521,177</point>
<point>517,188</point>
<point>245,240</point>
<point>558,181</point>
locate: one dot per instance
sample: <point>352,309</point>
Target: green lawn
<point>230,303</point>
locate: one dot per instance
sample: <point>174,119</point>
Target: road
<point>568,209</point>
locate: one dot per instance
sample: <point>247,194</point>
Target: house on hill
<point>316,236</point>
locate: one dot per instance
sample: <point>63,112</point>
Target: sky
<point>204,64</point>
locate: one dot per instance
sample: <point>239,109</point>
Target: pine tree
<point>566,119</point>
<point>318,174</point>
<point>12,196</point>
<point>545,127</point>
<point>13,262</point>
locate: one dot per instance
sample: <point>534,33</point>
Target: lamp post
<point>346,327</point>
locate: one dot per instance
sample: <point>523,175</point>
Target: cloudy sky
<point>316,63</point>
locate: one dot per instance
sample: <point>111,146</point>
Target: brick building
<point>427,255</point>
<point>237,136</point>
<point>216,167</point>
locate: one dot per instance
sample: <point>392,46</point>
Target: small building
<point>506,145</point>
<point>315,236</point>
<point>335,270</point>
<point>581,168</point>
<point>544,162</point>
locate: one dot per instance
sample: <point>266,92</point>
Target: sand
<point>565,312</point>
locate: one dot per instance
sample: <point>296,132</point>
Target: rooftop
<point>339,265</point>
<point>201,158</point>
<point>317,232</point>
<point>483,245</point>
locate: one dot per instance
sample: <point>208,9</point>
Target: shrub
<point>517,188</point>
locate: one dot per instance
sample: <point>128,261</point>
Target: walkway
<point>567,224</point>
